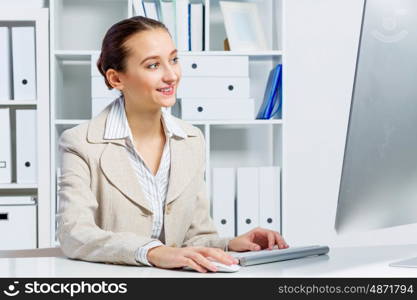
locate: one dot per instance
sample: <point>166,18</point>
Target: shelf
<point>69,122</point>
<point>17,103</point>
<point>86,54</point>
<point>18,186</point>
<point>75,54</point>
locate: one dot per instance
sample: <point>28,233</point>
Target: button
<point>174,245</point>
<point>169,209</point>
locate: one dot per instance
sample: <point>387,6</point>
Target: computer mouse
<point>223,268</point>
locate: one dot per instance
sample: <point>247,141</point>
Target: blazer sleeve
<point>79,235</point>
<point>202,231</point>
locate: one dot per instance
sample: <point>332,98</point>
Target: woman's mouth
<point>169,91</point>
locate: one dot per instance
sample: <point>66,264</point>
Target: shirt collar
<point>117,126</point>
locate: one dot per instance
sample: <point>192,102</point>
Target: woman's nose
<point>170,74</point>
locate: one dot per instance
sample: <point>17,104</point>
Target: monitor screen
<point>378,185</point>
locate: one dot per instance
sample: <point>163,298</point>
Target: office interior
<point>334,163</point>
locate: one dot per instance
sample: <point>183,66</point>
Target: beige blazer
<point>103,214</point>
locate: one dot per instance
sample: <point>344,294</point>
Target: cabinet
<point>24,219</point>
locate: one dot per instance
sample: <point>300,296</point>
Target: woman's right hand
<point>195,257</point>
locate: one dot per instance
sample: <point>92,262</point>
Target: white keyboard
<point>266,256</point>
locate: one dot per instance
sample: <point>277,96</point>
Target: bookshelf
<point>37,17</point>
<point>77,28</point>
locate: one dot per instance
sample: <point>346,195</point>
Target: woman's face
<point>152,70</point>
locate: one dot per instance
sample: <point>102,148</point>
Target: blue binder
<point>273,95</point>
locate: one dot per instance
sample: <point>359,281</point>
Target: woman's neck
<point>144,124</point>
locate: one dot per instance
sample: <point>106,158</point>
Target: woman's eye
<point>153,66</point>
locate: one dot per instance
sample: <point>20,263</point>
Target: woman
<point>132,189</point>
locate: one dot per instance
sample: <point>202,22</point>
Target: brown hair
<point>113,52</point>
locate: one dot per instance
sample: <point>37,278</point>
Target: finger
<point>253,247</point>
<point>271,239</point>
<point>220,256</point>
<point>202,261</point>
<point>192,264</point>
<point>280,241</point>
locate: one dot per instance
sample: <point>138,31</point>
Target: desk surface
<point>340,262</point>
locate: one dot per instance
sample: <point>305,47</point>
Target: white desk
<point>340,262</point>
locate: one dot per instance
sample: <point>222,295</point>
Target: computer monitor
<point>378,186</point>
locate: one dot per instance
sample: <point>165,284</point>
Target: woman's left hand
<point>257,239</point>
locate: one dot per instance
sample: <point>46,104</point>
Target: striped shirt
<point>154,186</point>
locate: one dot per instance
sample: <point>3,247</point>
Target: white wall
<point>321,42</point>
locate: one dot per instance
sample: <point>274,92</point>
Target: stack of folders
<point>183,18</point>
<point>26,146</point>
<point>256,203</point>
<point>101,96</point>
<point>17,63</point>
<point>271,105</point>
<point>209,91</point>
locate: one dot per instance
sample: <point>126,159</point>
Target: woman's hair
<point>113,50</point>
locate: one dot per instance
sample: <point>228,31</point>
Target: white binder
<point>247,199</point>
<point>197,19</point>
<point>168,17</point>
<point>99,89</point>
<point>24,73</point>
<point>214,87</point>
<point>209,65</point>
<point>26,146</point>
<point>5,146</point>
<point>270,198</point>
<point>138,8</point>
<point>150,10</point>
<point>217,109</point>
<point>5,65</point>
<point>181,13</point>
<point>223,195</point>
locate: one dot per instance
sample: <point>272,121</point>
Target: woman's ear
<point>113,78</point>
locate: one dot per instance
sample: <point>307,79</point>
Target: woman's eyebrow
<point>156,56</point>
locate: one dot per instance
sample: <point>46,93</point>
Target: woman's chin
<point>167,102</point>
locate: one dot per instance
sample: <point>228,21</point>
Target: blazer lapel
<point>118,169</point>
<point>184,165</point>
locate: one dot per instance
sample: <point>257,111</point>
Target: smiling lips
<point>169,91</point>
